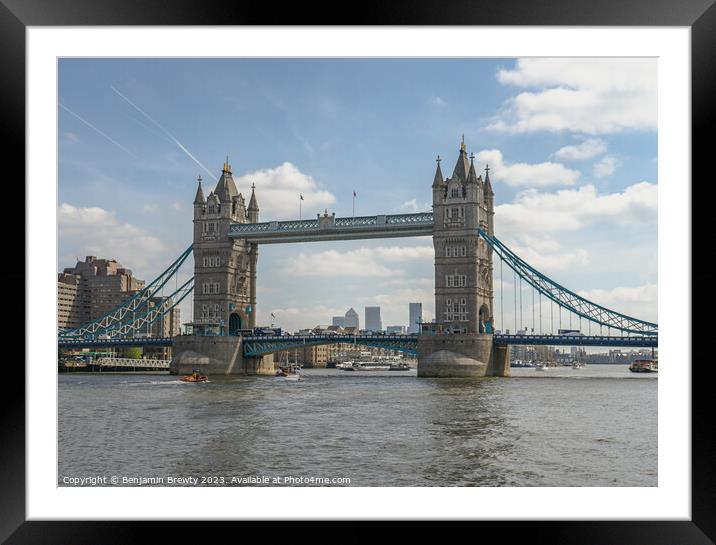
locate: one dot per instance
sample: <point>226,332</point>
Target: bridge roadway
<point>258,345</point>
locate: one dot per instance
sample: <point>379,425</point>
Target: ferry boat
<point>366,366</point>
<point>644,366</point>
<point>368,363</point>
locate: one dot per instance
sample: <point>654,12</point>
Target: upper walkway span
<point>329,227</point>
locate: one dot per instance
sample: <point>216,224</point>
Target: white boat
<point>367,362</point>
<point>372,366</point>
<point>540,366</point>
<point>289,371</point>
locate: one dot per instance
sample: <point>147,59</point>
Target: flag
<point>272,315</point>
<point>301,197</point>
<point>354,194</point>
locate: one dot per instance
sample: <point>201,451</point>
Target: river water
<point>595,426</point>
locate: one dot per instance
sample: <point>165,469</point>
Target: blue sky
<point>572,146</point>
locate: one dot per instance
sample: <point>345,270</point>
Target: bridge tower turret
<point>224,296</point>
<point>460,343</point>
<point>463,262</point>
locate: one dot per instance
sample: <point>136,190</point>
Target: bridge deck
<point>332,228</point>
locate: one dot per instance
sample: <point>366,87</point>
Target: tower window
<point>455,192</point>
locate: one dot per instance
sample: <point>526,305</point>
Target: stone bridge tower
<point>224,268</point>
<point>459,343</point>
<point>463,261</point>
<point>224,286</point>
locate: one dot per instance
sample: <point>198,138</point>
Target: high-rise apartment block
<point>96,286</point>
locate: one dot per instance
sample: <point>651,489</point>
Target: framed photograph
<point>408,270</point>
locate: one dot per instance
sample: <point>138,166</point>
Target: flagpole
<point>299,207</point>
<point>354,205</point>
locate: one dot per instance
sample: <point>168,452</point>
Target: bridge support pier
<point>216,356</point>
<point>461,355</point>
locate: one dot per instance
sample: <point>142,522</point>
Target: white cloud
<point>640,301</point>
<point>584,150</point>
<point>436,101</point>
<point>605,167</point>
<point>278,190</point>
<point>96,231</point>
<point>409,206</point>
<point>526,174</point>
<point>573,209</point>
<point>585,95</point>
<point>546,262</point>
<point>362,262</point>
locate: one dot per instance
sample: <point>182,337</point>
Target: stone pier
<point>461,355</point>
<point>215,355</point>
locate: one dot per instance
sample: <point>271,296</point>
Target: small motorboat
<point>195,377</point>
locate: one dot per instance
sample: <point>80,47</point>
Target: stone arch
<point>235,323</point>
<point>484,320</point>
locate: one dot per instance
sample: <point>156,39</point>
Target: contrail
<point>170,135</point>
<point>120,146</point>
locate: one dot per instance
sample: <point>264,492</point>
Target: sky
<point>571,144</point>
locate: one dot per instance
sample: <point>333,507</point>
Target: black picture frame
<point>699,15</point>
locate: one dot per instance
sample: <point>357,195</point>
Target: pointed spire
<point>226,188</point>
<point>438,180</point>
<point>253,206</point>
<point>488,185</point>
<point>461,167</point>
<point>472,175</point>
<point>199,199</point>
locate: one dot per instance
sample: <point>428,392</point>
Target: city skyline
<point>128,163</point>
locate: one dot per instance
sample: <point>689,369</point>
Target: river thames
<point>595,426</point>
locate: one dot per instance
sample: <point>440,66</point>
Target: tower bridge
<point>462,341</point>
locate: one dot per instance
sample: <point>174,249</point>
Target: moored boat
<point>644,366</point>
<point>289,371</point>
